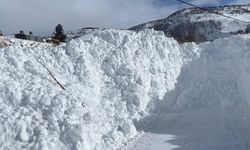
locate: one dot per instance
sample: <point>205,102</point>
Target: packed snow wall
<point>111,78</point>
<point>218,77</point>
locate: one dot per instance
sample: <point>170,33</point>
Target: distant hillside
<point>197,25</point>
<point>80,32</point>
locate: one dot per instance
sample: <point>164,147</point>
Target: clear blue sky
<point>41,16</point>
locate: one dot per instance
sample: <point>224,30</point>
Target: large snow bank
<point>219,76</point>
<point>111,77</point>
<point>209,106</point>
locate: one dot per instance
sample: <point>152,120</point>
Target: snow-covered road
<point>153,141</point>
<point>200,129</point>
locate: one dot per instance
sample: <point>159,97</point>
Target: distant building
<point>31,37</point>
<point>20,35</point>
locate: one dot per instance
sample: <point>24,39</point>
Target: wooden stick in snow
<point>49,72</point>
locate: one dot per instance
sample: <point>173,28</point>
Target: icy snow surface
<point>116,81</point>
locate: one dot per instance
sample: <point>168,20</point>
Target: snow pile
<point>110,77</point>
<point>209,106</point>
<point>4,42</point>
<point>218,77</point>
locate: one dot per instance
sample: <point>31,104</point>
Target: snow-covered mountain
<point>118,82</point>
<point>197,25</point>
<point>76,34</point>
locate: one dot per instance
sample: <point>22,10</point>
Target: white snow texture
<point>111,78</point>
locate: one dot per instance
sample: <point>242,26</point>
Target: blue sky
<point>41,16</point>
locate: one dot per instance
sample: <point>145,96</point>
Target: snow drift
<point>209,106</point>
<point>111,78</point>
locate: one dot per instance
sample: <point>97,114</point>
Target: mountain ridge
<point>197,25</point>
